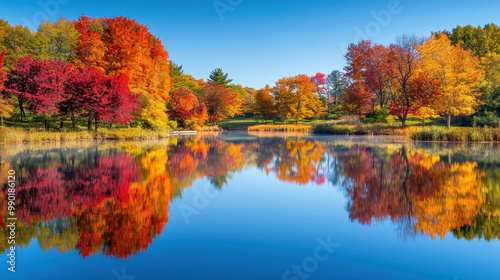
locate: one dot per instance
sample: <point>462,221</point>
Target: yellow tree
<point>456,201</point>
<point>457,73</point>
<point>6,107</point>
<point>294,97</point>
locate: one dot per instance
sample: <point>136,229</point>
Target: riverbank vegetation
<point>20,135</point>
<point>112,76</point>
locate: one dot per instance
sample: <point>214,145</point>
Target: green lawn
<point>238,123</point>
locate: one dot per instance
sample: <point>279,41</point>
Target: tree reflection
<point>421,193</point>
<point>114,200</point>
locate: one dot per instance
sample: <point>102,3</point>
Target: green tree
<point>219,77</point>
<point>56,40</point>
<point>479,40</point>
<point>19,42</point>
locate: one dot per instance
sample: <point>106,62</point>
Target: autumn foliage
<point>6,106</point>
<point>411,78</point>
<point>220,102</point>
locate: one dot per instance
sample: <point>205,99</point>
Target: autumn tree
<point>6,107</point>
<point>183,106</point>
<point>122,47</point>
<point>410,88</point>
<point>219,77</point>
<point>19,42</point>
<point>357,99</point>
<point>40,83</point>
<point>56,40</point>
<point>457,74</point>
<point>102,98</point>
<point>367,64</point>
<point>90,49</point>
<point>220,102</point>
<point>294,98</point>
<point>264,104</point>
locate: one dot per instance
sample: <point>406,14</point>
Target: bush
<point>489,119</point>
<point>383,116</point>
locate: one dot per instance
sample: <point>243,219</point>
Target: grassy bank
<point>288,128</point>
<point>19,135</point>
<point>363,129</point>
<point>416,133</point>
<point>455,134</point>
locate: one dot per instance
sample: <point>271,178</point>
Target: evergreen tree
<point>219,77</point>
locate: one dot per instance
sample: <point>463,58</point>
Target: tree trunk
<point>45,122</point>
<point>297,120</point>
<point>449,120</point>
<point>403,122</point>
<point>89,124</point>
<point>73,124</point>
<point>423,122</point>
<point>21,108</point>
<point>2,120</point>
<point>61,124</point>
<point>95,123</point>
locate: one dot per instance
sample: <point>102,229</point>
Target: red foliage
<point>219,101</point>
<point>358,99</point>
<point>40,82</point>
<point>109,98</point>
<point>184,105</point>
<point>367,63</point>
<point>319,79</point>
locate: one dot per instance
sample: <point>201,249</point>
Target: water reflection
<point>113,198</point>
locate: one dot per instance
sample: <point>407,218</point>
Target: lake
<point>252,206</point>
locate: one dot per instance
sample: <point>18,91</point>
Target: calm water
<point>239,206</point>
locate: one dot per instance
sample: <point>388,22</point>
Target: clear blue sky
<point>259,41</point>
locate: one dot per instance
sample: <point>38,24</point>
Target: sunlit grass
<point>363,129</point>
<point>19,135</point>
<point>455,134</point>
<point>287,127</point>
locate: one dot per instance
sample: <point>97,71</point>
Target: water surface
<point>253,206</point>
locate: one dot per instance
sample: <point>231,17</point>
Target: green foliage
<point>489,119</point>
<point>383,116</point>
<point>479,40</point>
<point>172,124</point>
<point>175,70</point>
<point>19,42</point>
<point>219,77</point>
<point>56,40</point>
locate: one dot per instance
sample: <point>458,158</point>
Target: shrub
<point>489,119</point>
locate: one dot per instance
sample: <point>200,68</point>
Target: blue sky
<point>258,41</point>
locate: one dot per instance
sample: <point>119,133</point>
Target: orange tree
<point>294,97</point>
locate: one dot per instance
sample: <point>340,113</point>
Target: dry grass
<point>455,134</point>
<point>19,135</point>
<point>363,129</point>
<point>209,128</point>
<point>288,128</point>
